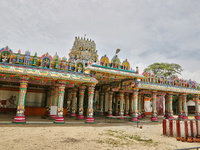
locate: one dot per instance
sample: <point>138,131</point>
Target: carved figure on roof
<point>46,60</point>
<point>125,65</point>
<point>18,56</point>
<point>115,62</point>
<point>172,81</point>
<point>189,83</point>
<point>46,63</point>
<point>35,59</point>
<point>169,80</point>
<point>63,64</point>
<point>146,75</point>
<point>27,58</point>
<point>162,79</point>
<point>5,57</point>
<point>79,66</point>
<point>56,60</point>
<point>176,82</point>
<point>6,54</point>
<point>104,61</point>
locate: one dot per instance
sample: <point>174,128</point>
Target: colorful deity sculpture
<point>46,63</point>
<point>5,57</point>
<point>18,56</point>
<point>56,63</point>
<point>35,59</point>
<point>79,68</point>
<point>27,58</point>
<point>63,64</point>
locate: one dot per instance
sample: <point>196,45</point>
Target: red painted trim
<point>171,127</point>
<point>178,128</point>
<point>192,130</point>
<point>186,129</point>
<point>197,127</point>
<point>164,127</point>
<point>17,89</point>
<point>147,113</point>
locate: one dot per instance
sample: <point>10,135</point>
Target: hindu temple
<point>83,84</point>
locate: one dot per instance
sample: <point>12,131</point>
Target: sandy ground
<point>87,137</point>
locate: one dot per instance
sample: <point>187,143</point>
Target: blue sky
<point>146,31</point>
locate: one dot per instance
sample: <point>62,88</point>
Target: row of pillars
<point>135,99</point>
<point>55,97</point>
<point>137,105</point>
<point>182,100</point>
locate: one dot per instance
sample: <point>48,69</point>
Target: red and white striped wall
<point>176,128</point>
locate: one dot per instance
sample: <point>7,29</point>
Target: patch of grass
<point>120,138</point>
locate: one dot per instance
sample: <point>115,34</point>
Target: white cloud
<point>145,31</point>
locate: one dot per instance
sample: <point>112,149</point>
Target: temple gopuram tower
<point>85,50</point>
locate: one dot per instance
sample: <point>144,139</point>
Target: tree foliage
<point>166,69</point>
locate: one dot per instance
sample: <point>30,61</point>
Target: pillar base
<point>180,116</point>
<point>139,117</point>
<point>170,117</point>
<point>116,114</point>
<point>67,114</point>
<point>110,115</point>
<point>102,114</point>
<point>19,120</point>
<point>154,119</point>
<point>59,120</point>
<point>47,113</point>
<point>80,117</point>
<point>197,117</point>
<point>126,114</point>
<point>165,115</point>
<point>134,119</point>
<point>53,117</point>
<point>185,117</point>
<point>73,115</point>
<point>89,120</point>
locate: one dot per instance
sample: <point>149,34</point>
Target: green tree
<point>166,69</point>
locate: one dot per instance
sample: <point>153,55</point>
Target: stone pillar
<point>20,116</point>
<point>170,113</point>
<point>110,103</point>
<point>116,104</point>
<point>81,102</point>
<point>142,100</point>
<point>127,104</point>
<point>131,104</point>
<point>185,113</point>
<point>74,100</point>
<point>166,106</point>
<point>47,113</point>
<point>51,97</point>
<point>102,99</point>
<point>154,112</point>
<point>139,106</point>
<point>180,114</point>
<point>54,99</point>
<point>135,106</point>
<point>121,99</point>
<point>60,119</point>
<point>69,98</point>
<point>90,118</point>
<point>197,112</point>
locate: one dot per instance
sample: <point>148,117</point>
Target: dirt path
<point>31,137</point>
